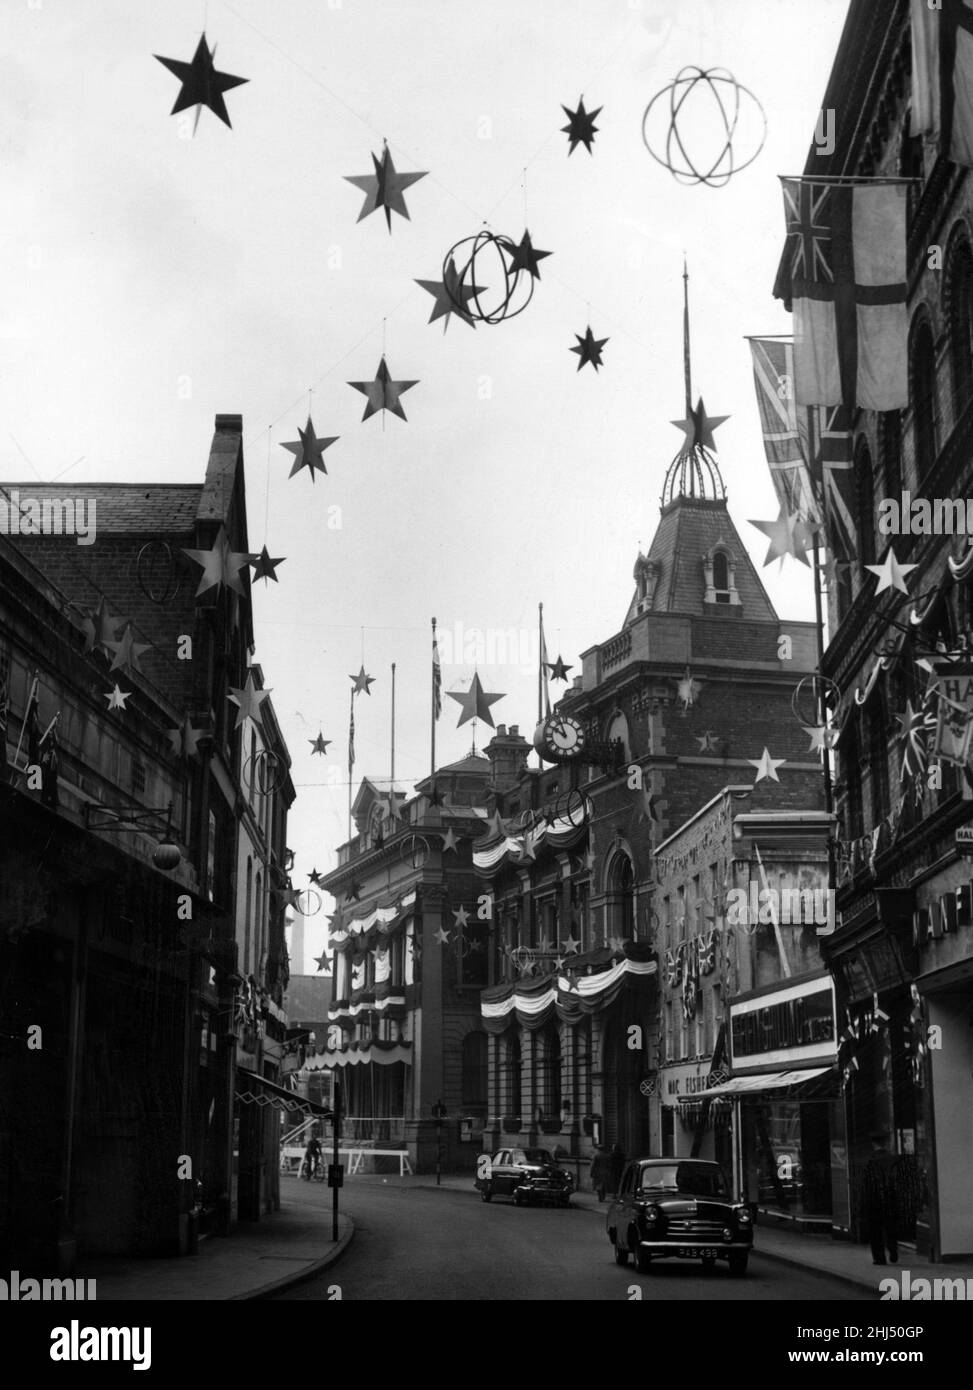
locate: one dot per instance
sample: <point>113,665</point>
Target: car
<point>527,1175</point>
<point>679,1208</point>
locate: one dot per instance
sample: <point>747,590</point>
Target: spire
<point>694,471</point>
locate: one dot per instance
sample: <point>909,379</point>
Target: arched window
<point>258,921</point>
<point>512,1067</point>
<point>878,755</point>
<point>618,729</point>
<point>922,365</point>
<point>961,323</point>
<point>865,503</point>
<point>721,572</point>
<point>550,1088</point>
<point>890,439</point>
<point>621,897</point>
<point>247,920</point>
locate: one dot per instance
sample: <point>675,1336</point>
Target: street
<point>414,1242</point>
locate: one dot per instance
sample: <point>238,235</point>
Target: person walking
<point>600,1173</point>
<point>312,1156</point>
<point>616,1162</point>
<point>881,1200</point>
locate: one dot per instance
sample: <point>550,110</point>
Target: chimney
<point>508,757</point>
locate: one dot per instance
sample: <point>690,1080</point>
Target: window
<point>961,324</point>
<point>721,572</point>
<point>138,777</point>
<point>247,919</point>
<point>878,755</point>
<point>890,438</point>
<point>475,1070</point>
<point>865,503</point>
<point>922,361</point>
<point>513,1063</point>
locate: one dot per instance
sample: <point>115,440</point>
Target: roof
<point>473,762</point>
<point>124,508</point>
<point>688,529</point>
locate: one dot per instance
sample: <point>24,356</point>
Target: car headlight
<point>743,1217</point>
<point>727,1233</point>
<point>651,1212</point>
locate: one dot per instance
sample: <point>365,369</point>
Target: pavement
<point>294,1244</point>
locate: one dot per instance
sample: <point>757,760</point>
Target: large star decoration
<point>581,128</point>
<point>589,349</point>
<point>221,565</point>
<point>524,256</point>
<point>185,739</point>
<point>248,701</point>
<point>766,766</point>
<point>821,736</point>
<point>319,745</point>
<point>264,567</point>
<point>461,916</point>
<point>116,698</point>
<point>788,535</point>
<point>451,296</point>
<point>698,427</point>
<point>202,85</point>
<point>475,702</point>
<point>890,574</point>
<point>308,450</point>
<point>128,651</point>
<point>558,670</point>
<point>688,690</point>
<point>384,188</point>
<point>362,682</point>
<point>99,628</point>
<point>383,393</point>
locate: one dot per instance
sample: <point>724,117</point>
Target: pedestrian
<point>881,1200</point>
<point>616,1160</point>
<point>600,1173</point>
<point>312,1155</point>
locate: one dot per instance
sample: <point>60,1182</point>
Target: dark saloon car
<point>527,1175</point>
<point>682,1208</point>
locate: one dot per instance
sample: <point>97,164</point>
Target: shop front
<point>788,1132</point>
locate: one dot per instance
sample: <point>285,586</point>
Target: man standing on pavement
<point>881,1200</point>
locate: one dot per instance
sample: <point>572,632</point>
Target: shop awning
<point>753,1085</point>
<point>253,1089</point>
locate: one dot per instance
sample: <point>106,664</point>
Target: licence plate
<point>694,1252</point>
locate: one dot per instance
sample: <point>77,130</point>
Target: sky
<point>155,277</point>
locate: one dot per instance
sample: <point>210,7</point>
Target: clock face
<point>563,736</point>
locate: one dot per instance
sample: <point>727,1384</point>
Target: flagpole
<point>540,662</point>
<point>392,770</point>
<point>432,708</point>
<point>351,726</point>
<point>822,707</point>
<point>30,700</point>
<point>687,361</point>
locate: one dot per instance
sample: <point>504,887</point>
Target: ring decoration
<point>490,256</point>
<point>265,772</point>
<point>156,559</point>
<point>735,105</point>
<point>309,911</point>
<point>415,851</point>
<point>821,686</point>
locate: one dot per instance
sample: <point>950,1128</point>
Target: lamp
<point>166,855</point>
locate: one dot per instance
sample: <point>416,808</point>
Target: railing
<point>373,1129</point>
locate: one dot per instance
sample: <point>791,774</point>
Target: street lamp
<point>166,855</point>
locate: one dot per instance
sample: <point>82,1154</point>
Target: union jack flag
<point>808,230</point>
<point>828,443</point>
<point>673,967</point>
<point>707,952</point>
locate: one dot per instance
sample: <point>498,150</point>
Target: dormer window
<point>719,572</point>
<point>646,578</point>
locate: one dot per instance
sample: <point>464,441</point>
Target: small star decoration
<point>709,743</point>
<point>890,574</point>
<point>788,535</point>
<point>185,739</point>
<point>451,296</point>
<point>202,85</point>
<point>384,188</point>
<point>308,450</point>
<point>362,682</point>
<point>524,256</point>
<point>116,698</point>
<point>248,701</point>
<point>581,128</point>
<point>589,349</point>
<point>319,744</point>
<point>264,567</point>
<point>383,393</point>
<point>766,766</point>
<point>558,670</point>
<point>698,427</point>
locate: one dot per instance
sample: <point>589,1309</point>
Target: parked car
<point>527,1175</point>
<point>679,1208</point>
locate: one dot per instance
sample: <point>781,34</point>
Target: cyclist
<point>312,1156</point>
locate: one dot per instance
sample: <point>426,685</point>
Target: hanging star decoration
<point>581,128</point>
<point>308,450</point>
<point>220,565</point>
<point>290,897</point>
<point>202,85</point>
<point>475,703</point>
<point>571,945</point>
<point>890,574</point>
<point>822,737</point>
<point>616,945</point>
<point>589,349</point>
<point>314,877</point>
<point>558,670</point>
<point>788,535</point>
<point>185,739</point>
<point>525,848</point>
<point>390,807</point>
<point>524,256</point>
<point>698,427</point>
<point>496,825</point>
<point>708,743</point>
<point>248,701</point>
<point>461,916</point>
<point>128,651</point>
<point>264,567</point>
<point>766,766</point>
<point>384,188</point>
<point>688,690</point>
<point>450,842</point>
<point>319,745</point>
<point>451,296</point>
<point>354,893</point>
<point>834,571</point>
<point>323,962</point>
<point>434,797</point>
<point>383,393</point>
<point>442,936</point>
<point>362,682</point>
<point>116,698</point>
<point>648,806</point>
<point>99,628</point>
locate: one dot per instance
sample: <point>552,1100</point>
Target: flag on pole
<point>543,694</point>
<point>787,459</point>
<point>827,439</point>
<point>49,764</point>
<point>351,736</point>
<point>437,679</point>
<point>844,276</point>
<point>32,727</point>
<point>942,77</point>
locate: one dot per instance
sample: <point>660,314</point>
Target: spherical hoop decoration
<point>483,286</point>
<point>414,851</point>
<point>578,807</point>
<point>266,772</point>
<point>305,897</point>
<point>528,820</point>
<point>692,96</point>
<point>156,573</point>
<point>820,686</point>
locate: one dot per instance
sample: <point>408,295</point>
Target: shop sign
<point>795,1020</point>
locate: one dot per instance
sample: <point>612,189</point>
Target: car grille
<point>692,1226</point>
